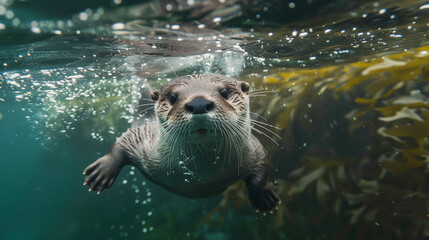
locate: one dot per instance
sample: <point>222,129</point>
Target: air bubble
<point>382,11</point>
<point>2,10</point>
<point>9,14</point>
<point>83,16</point>
<point>118,26</point>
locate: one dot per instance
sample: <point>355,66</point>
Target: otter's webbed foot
<point>102,173</point>
<point>261,195</point>
<point>263,198</point>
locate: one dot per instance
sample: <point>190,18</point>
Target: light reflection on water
<point>77,78</point>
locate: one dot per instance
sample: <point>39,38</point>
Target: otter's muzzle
<point>199,106</point>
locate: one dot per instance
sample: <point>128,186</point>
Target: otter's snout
<point>199,106</point>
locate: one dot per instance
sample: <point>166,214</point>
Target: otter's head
<point>203,104</point>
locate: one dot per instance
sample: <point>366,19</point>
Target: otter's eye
<point>173,98</point>
<point>224,93</point>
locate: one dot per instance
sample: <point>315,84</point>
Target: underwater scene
<point>339,97</point>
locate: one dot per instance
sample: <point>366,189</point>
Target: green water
<point>69,77</point>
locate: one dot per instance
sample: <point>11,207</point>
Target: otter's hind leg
<point>261,195</point>
<point>102,173</point>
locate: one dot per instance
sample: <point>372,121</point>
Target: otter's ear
<point>155,95</point>
<point>244,86</point>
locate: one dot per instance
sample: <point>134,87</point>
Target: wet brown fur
<point>154,147</point>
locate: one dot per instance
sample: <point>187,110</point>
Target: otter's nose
<point>199,106</point>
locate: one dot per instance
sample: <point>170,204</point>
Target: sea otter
<point>197,144</point>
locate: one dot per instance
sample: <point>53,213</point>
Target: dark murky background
<point>69,83</point>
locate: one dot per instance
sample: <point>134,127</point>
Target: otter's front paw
<point>263,198</point>
<point>102,173</point>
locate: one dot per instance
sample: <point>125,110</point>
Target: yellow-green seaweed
<point>359,133</point>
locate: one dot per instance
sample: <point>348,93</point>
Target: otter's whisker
<point>258,115</point>
<point>172,154</point>
<point>266,129</point>
<point>228,144</point>
<point>191,138</point>
<point>147,99</point>
<point>243,123</point>
<point>163,134</point>
<point>178,134</point>
<point>145,104</point>
<point>144,110</point>
<point>257,95</point>
<point>266,124</point>
<point>237,135</point>
<point>260,91</point>
<point>169,135</point>
<point>225,141</point>
<point>262,133</point>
